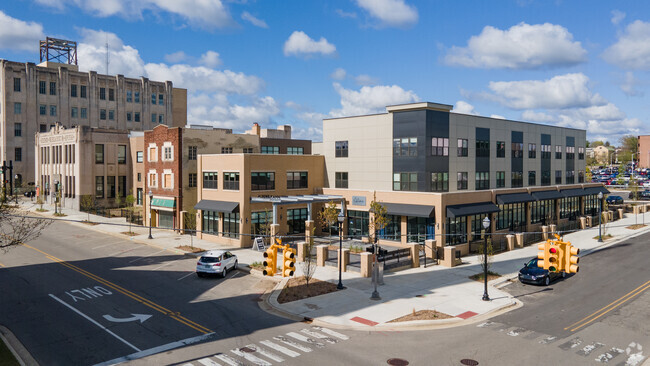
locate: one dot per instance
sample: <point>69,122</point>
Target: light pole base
<point>600,239</point>
<point>340,286</point>
<point>486,297</point>
<point>375,296</point>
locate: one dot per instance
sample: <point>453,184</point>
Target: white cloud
<point>16,34</point>
<point>176,57</point>
<point>629,85</point>
<point>632,50</point>
<point>563,91</point>
<point>523,46</point>
<point>300,43</point>
<point>201,78</point>
<point>537,116</point>
<point>253,20</point>
<point>207,14</point>
<point>123,59</point>
<point>210,59</point>
<point>617,16</point>
<point>216,110</point>
<point>338,74</point>
<point>364,79</point>
<point>497,116</point>
<point>344,14</point>
<point>395,13</point>
<point>463,107</point>
<point>370,99</point>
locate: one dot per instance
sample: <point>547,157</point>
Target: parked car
<point>30,194</point>
<point>614,200</point>
<point>216,262</point>
<point>642,195</point>
<point>646,184</point>
<point>536,275</point>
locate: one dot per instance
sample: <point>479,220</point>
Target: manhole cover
<point>247,350</point>
<point>397,362</point>
<point>469,362</point>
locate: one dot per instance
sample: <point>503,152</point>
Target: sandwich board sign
<point>258,244</point>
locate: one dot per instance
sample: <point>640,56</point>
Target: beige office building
<point>82,161</point>
<point>33,98</point>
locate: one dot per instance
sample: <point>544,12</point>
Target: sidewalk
<point>447,290</point>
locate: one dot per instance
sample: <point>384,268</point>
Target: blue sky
<point>581,64</point>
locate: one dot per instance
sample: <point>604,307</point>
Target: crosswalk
<point>274,350</point>
<point>631,355</point>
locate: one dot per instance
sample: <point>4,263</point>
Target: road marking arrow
<point>135,317</point>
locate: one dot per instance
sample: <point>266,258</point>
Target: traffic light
<point>571,259</point>
<point>270,263</point>
<point>288,261</point>
<point>549,256</point>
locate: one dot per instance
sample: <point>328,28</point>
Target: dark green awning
<point>596,190</point>
<point>218,206</point>
<point>547,195</point>
<point>504,199</point>
<point>471,209</point>
<point>402,209</point>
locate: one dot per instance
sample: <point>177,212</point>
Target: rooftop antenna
<point>58,50</point>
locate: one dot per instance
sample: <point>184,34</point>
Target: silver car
<point>216,262</point>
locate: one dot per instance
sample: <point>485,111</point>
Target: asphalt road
<point>78,297</point>
<point>601,314</point>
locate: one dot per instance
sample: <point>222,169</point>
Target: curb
<point>16,347</point>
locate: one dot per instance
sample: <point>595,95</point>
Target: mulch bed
<point>129,233</point>
<point>90,223</point>
<point>605,237</point>
<point>297,289</point>
<point>635,227</point>
<point>422,315</point>
<point>479,276</point>
<point>190,249</point>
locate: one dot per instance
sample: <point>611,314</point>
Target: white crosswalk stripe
<point>319,336</point>
<point>265,353</point>
<point>332,333</point>
<point>301,337</point>
<point>229,360</point>
<point>255,360</point>
<point>279,348</point>
<point>291,343</point>
<point>208,362</point>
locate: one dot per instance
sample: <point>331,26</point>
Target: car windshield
<point>210,259</point>
<point>532,263</point>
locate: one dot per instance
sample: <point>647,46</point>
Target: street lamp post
<point>16,188</point>
<point>341,217</point>
<point>600,216</point>
<point>150,218</point>
<point>486,225</point>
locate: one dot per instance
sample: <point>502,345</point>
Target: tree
<point>629,143</point>
<point>189,221</point>
<point>586,143</point>
<point>607,143</point>
<point>130,200</point>
<point>596,143</point>
<point>379,218</point>
<point>587,174</point>
<point>17,228</point>
<point>308,266</point>
<point>39,201</point>
<point>329,216</point>
<point>490,256</point>
<point>87,203</point>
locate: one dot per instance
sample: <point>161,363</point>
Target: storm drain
<point>247,350</point>
<point>468,362</point>
<point>397,362</point>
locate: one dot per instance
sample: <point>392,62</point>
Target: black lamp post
<point>486,225</point>
<point>150,217</point>
<point>341,217</point>
<point>600,216</point>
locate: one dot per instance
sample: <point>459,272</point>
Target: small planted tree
<point>87,204</point>
<point>482,257</point>
<point>309,266</point>
<point>329,216</point>
<point>130,200</point>
<point>39,201</point>
<point>17,227</point>
<point>379,218</point>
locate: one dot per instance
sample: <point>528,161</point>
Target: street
<point>75,296</point>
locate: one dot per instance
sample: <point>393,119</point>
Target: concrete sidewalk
<point>447,290</point>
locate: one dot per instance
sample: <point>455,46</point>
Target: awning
<point>162,202</point>
<point>504,199</point>
<point>547,195</point>
<point>596,190</point>
<point>574,192</point>
<point>219,206</point>
<point>471,209</point>
<point>292,200</point>
<point>401,209</point>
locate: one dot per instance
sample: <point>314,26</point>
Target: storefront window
<point>591,205</point>
<point>296,220</point>
<point>231,225</point>
<point>393,229</point>
<point>358,223</point>
<point>542,212</point>
<point>511,216</point>
<point>570,208</point>
<point>456,230</point>
<point>210,222</point>
<point>419,229</point>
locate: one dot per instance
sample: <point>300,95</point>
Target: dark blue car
<point>614,200</point>
<point>536,275</point>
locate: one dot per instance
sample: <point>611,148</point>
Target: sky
<point>571,63</point>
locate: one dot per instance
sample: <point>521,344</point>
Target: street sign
<point>258,244</point>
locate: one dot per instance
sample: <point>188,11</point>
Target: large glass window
<point>405,181</point>
<point>270,150</point>
<point>419,229</point>
<point>462,147</point>
<point>297,180</point>
<point>546,151</point>
<point>296,220</point>
<point>570,176</point>
<point>517,150</point>
<point>517,179</point>
<point>341,149</point>
<point>293,150</point>
<point>341,180</point>
<point>482,180</point>
<point>476,226</point>
<point>558,152</point>
<point>456,230</point>
<point>231,225</point>
<point>570,208</point>
<point>42,88</point>
<point>581,153</point>
<point>99,187</point>
<point>542,212</point>
<point>259,220</point>
<point>532,151</point>
<point>546,177</point>
<point>532,178</point>
<point>191,152</point>
<point>501,149</point>
<point>110,187</point>
<point>210,224</point>
<point>99,154</point>
<point>461,182</point>
<point>439,182</point>
<point>393,229</point>
<point>581,177</point>
<point>501,179</point>
<point>210,180</point>
<point>358,224</point>
<point>558,177</point>
<point>262,181</point>
<point>570,152</point>
<point>440,146</point>
<point>511,216</point>
<point>121,154</point>
<point>482,148</point>
<point>591,205</point>
<point>231,181</point>
<point>405,146</point>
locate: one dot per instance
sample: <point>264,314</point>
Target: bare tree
<point>490,255</point>
<point>309,266</point>
<point>87,204</point>
<point>16,227</point>
<point>329,216</point>
<point>130,200</point>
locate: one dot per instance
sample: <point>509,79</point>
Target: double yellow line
<point>611,306</point>
<point>174,315</point>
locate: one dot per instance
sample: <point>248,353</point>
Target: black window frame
<point>461,181</point>
<point>192,180</point>
<point>532,151</point>
<point>462,146</point>
<point>558,177</point>
<point>52,87</point>
<point>516,179</point>
<point>102,93</point>
<point>192,152</point>
<point>341,149</point>
<point>42,87</point>
<point>121,154</point>
<point>99,155</point>
<point>341,180</point>
<point>501,179</point>
<point>532,178</point>
<point>439,146</point>
<point>262,181</point>
<point>517,150</point>
<point>501,149</point>
<point>405,185</point>
<point>482,148</point>
<point>99,186</point>
<point>439,182</point>
<point>558,151</point>
<point>17,83</point>
<point>297,180</point>
<point>73,90</point>
<point>231,181</point>
<point>210,180</point>
<point>405,146</point>
<point>482,180</point>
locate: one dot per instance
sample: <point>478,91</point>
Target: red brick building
<point>163,179</point>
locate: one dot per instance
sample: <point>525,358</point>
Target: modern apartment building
<point>33,98</point>
<point>82,161</point>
